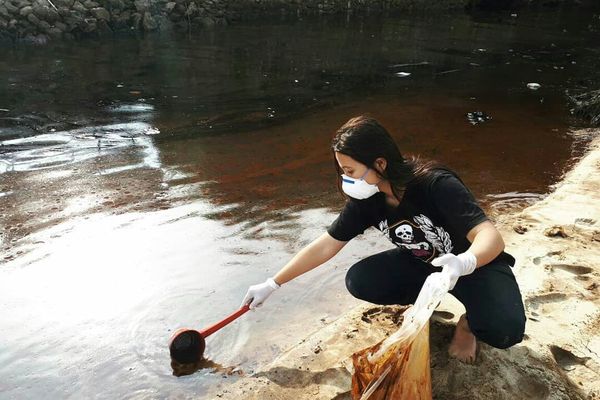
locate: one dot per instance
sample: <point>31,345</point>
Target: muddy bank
<point>556,243</point>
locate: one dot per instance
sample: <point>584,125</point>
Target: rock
<point>40,11</point>
<point>4,11</point>
<point>53,15</point>
<point>520,229</point>
<point>103,27</point>
<point>77,6</point>
<point>33,19</point>
<point>60,26</point>
<point>141,5</point>
<point>25,11</point>
<point>100,13</point>
<point>191,10</point>
<point>73,20</point>
<point>116,4</point>
<point>55,33</point>
<point>89,4</point>
<point>64,11</point>
<point>136,21</point>
<point>10,8</point>
<point>63,3</point>
<point>46,27</point>
<point>124,18</point>
<point>149,22</point>
<point>89,25</point>
<point>556,231</point>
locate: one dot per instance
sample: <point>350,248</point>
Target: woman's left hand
<point>456,265</point>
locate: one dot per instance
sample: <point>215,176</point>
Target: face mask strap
<point>365,174</point>
<point>359,179</point>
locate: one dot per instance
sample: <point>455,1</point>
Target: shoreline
<point>556,242</point>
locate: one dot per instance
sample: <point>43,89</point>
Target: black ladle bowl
<point>187,345</point>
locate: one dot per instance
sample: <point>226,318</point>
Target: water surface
<point>145,184</point>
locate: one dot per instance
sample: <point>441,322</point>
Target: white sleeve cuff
<point>469,261</point>
<point>271,282</point>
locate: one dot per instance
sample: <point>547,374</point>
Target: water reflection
<point>59,149</point>
<point>105,293</point>
<point>264,173</point>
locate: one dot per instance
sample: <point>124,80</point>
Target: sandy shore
<point>557,246</point>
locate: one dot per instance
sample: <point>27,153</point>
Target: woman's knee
<point>501,332</point>
<point>357,282</point>
<point>369,282</point>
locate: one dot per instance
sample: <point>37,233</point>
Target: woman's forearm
<point>314,254</point>
<point>486,246</point>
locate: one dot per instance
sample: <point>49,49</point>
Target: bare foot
<point>464,344</point>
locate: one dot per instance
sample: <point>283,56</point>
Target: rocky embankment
<point>42,20</point>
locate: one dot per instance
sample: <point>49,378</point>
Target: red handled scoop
<point>187,345</point>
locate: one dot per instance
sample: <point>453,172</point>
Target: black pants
<point>491,296</point>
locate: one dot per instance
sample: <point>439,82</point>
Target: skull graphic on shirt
<point>405,233</point>
<point>421,237</point>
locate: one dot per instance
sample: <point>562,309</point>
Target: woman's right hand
<point>259,293</point>
<point>311,256</point>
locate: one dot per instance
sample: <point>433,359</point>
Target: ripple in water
<point>504,203</point>
<point>152,327</point>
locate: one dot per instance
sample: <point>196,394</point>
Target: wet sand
<point>556,242</point>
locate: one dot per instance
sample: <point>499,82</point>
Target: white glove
<point>456,265</point>
<point>259,293</point>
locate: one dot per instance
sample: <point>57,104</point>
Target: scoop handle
<point>213,328</point>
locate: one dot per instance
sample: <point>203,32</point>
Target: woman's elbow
<point>500,241</point>
<point>331,246</point>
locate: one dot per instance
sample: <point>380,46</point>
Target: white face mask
<point>358,188</point>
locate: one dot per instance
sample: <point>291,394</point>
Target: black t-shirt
<point>433,217</point>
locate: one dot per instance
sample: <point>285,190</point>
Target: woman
<point>434,221</point>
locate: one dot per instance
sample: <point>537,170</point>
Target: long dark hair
<point>364,139</point>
